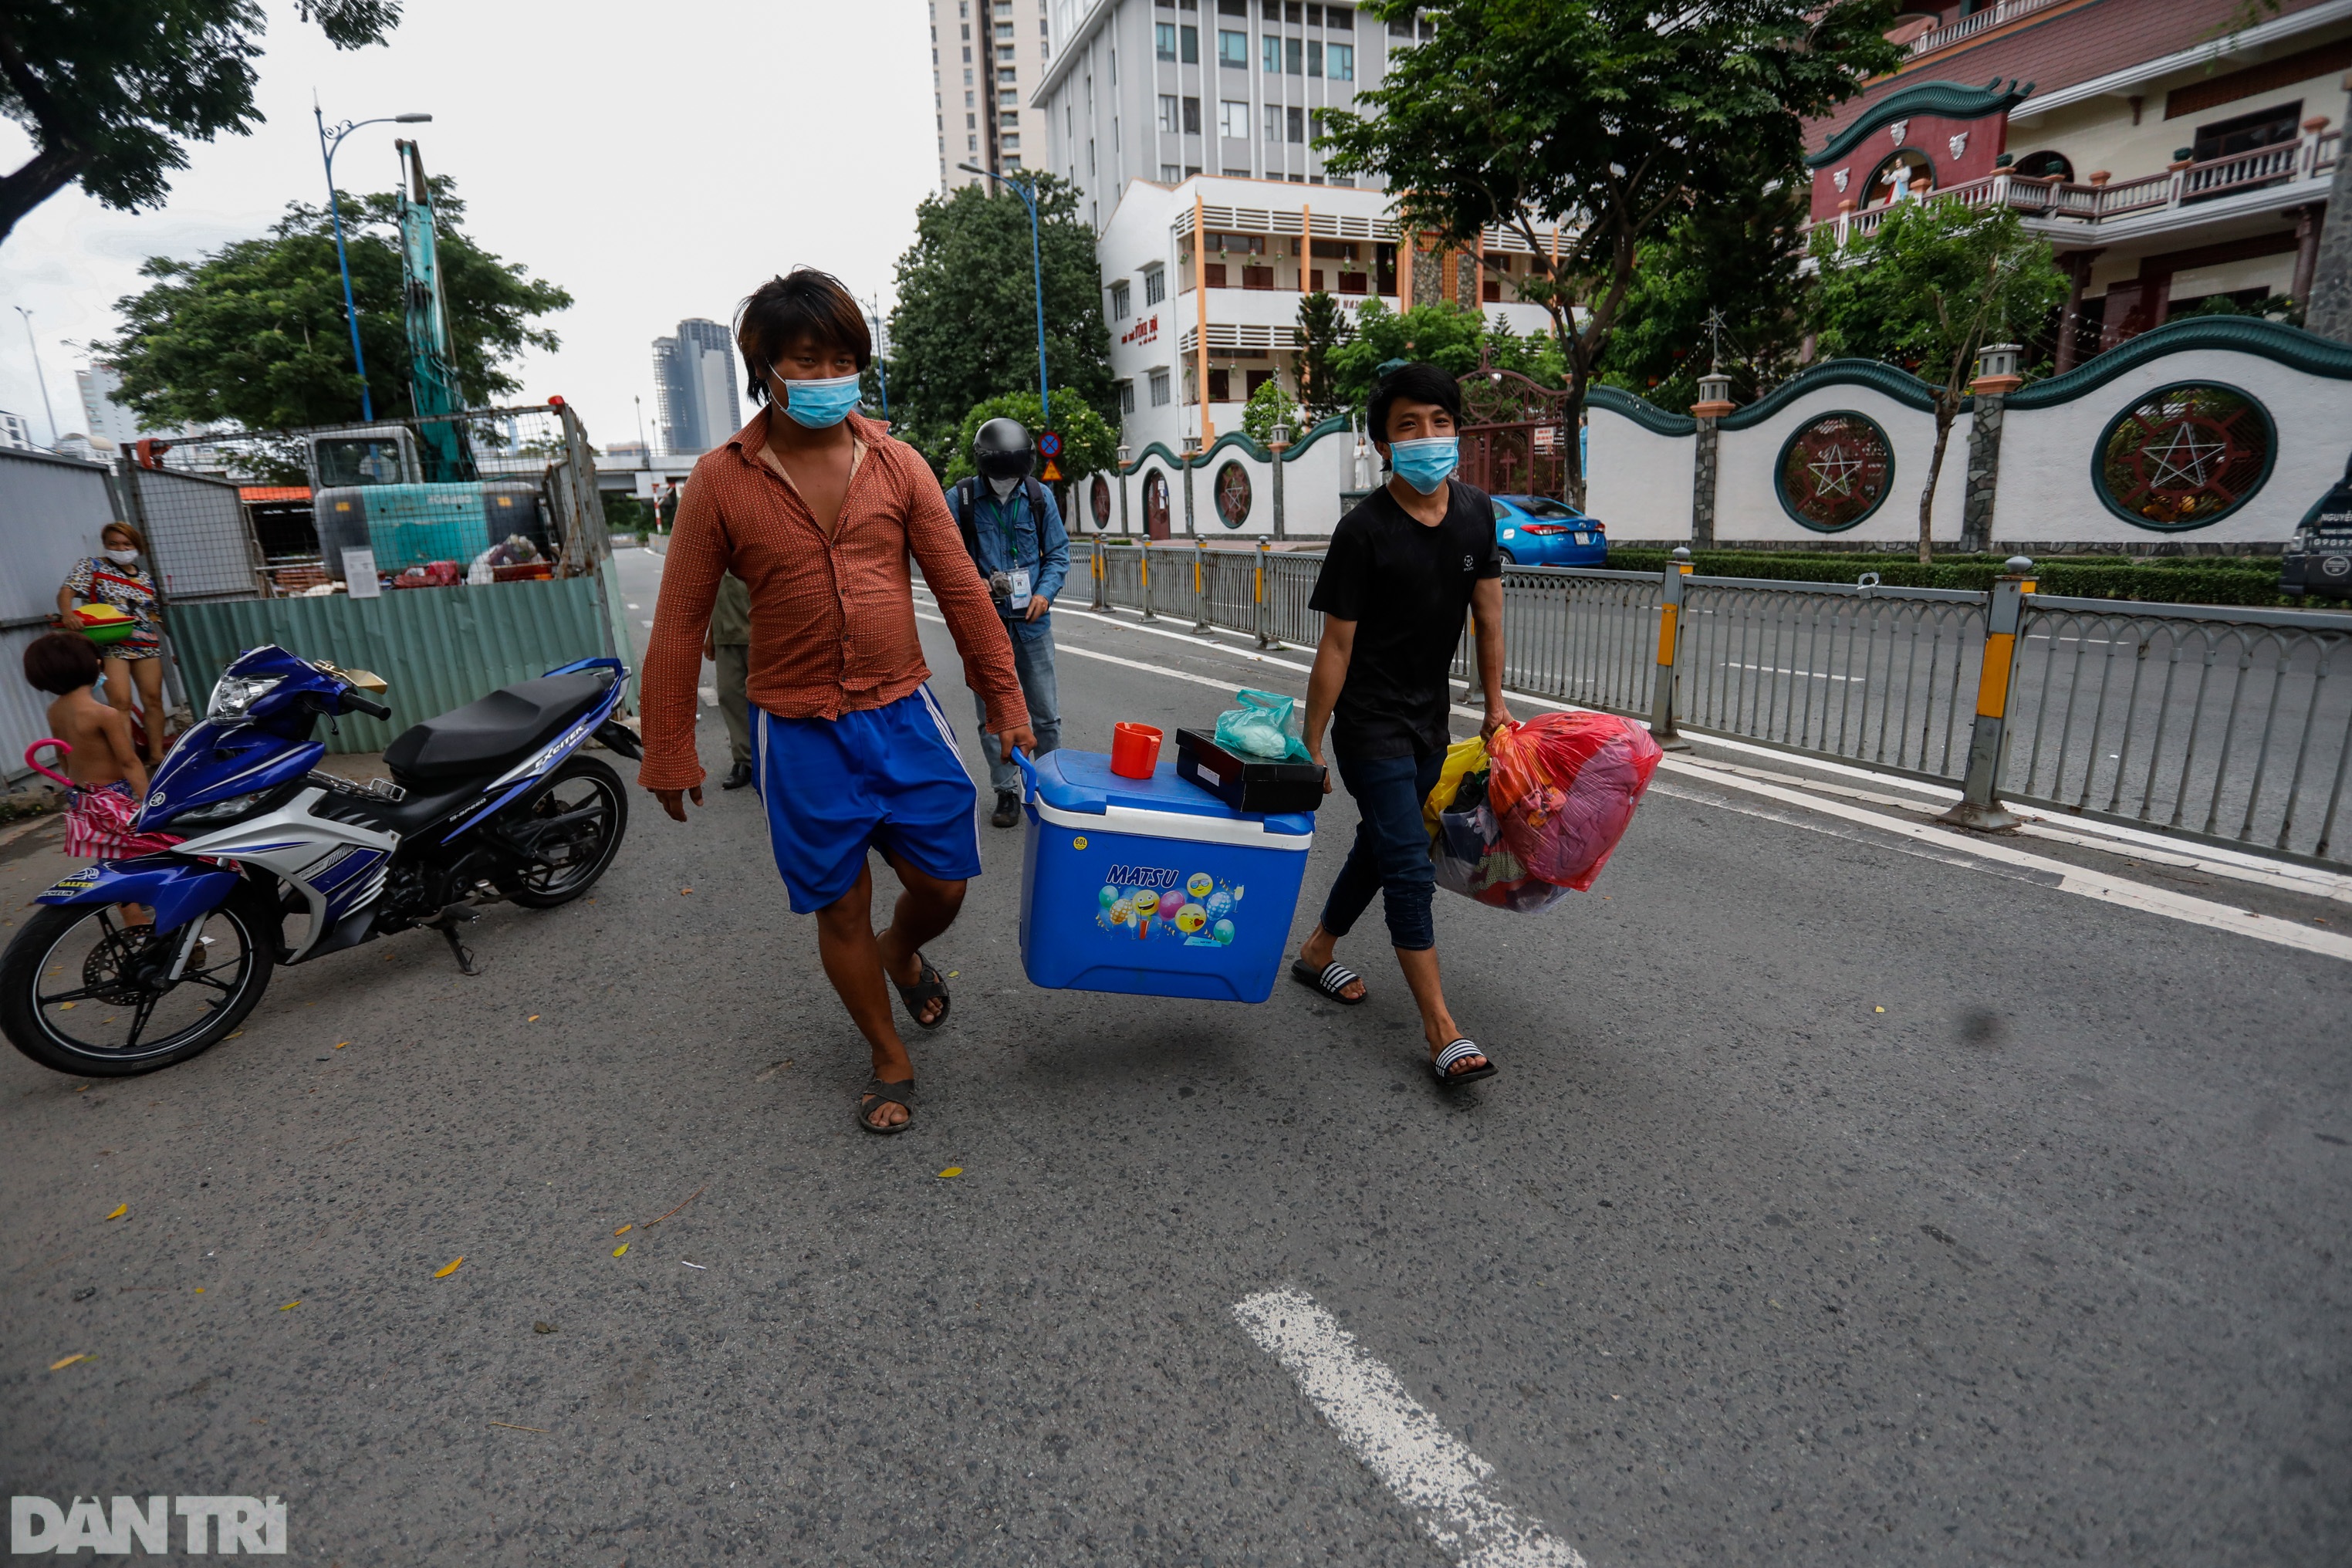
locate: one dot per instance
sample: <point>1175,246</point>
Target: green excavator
<point>412,492</point>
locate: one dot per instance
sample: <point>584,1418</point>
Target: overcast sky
<point>657,161</point>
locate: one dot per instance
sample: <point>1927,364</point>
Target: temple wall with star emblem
<point>2214,434</point>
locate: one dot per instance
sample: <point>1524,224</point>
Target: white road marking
<point>1808,674</point>
<point>1427,1466</point>
<point>2070,879</point>
<point>1952,846</point>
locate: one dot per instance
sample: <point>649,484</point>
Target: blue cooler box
<point>1153,887</point>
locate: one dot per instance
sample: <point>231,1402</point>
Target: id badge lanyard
<point>1015,573</point>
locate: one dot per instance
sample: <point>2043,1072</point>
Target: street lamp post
<point>881,362</point>
<point>326,146</point>
<point>1026,189</point>
<point>39,375</point>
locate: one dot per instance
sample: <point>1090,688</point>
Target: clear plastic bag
<point>1265,725</point>
<point>1563,790</point>
<point>1466,840</point>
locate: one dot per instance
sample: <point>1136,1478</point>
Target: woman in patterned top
<point>115,578</point>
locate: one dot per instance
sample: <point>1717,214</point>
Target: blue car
<point>1540,531</point>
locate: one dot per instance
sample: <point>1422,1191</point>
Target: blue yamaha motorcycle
<point>283,864</point>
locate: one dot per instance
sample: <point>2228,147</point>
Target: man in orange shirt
<point>817,511</point>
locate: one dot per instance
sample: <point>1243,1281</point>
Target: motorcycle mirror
<point>366,680</point>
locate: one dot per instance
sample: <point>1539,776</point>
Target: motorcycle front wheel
<point>574,827</point>
<point>82,990</point>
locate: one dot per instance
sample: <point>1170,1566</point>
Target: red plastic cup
<point>1134,750</point>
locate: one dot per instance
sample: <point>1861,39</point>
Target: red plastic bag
<point>1564,787</point>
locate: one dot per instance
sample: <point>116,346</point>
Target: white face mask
<point>124,557</point>
<point>1004,488</point>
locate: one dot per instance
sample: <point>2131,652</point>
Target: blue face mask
<point>821,404</point>
<point>1424,464</point>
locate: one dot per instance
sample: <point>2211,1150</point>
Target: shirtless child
<point>109,778</point>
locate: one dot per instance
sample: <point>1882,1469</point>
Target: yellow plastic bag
<point>1462,758</point>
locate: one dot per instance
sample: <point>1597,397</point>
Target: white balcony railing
<point>2309,157</point>
<point>1976,21</point>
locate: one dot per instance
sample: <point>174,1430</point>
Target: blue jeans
<point>1391,855</point>
<point>1033,661</point>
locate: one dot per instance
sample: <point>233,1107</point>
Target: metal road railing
<point>2213,724</point>
<point>2216,723</point>
<point>1871,674</point>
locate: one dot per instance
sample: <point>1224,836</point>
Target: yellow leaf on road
<point>340,1044</point>
<point>625,1230</point>
<point>533,1019</point>
<point>620,1249</point>
<point>953,1171</point>
<point>447,1269</point>
<point>61,1365</point>
<point>119,1210</point>
<point>291,1305</point>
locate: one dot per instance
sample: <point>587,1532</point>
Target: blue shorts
<point>885,777</point>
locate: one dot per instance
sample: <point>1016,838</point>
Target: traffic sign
<point>1053,473</point>
<point>1049,443</point>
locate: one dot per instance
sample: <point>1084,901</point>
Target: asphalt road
<point>2042,1261</point>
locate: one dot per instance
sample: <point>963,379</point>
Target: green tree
<point>1269,407</point>
<point>1738,255</point>
<point>1445,334</point>
<point>1933,284</point>
<point>1609,113</point>
<point>1090,445</point>
<point>255,333</point>
<point>965,326</point>
<point>107,90</point>
<point>1322,328</point>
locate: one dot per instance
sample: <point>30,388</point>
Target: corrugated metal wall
<point>51,509</point>
<point>437,647</point>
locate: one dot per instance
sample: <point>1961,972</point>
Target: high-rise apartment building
<point>106,419</point>
<point>697,403</point>
<point>987,56</point>
<point>1165,90</point>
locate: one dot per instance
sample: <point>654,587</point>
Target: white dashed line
<point>1428,1467</point>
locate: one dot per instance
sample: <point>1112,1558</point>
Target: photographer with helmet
<point>1014,534</point>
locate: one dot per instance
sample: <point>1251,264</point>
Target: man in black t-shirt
<point>1401,570</point>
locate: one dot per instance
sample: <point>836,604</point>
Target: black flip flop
<point>1460,1051</point>
<point>1336,976</point>
<point>877,1094</point>
<point>926,987</point>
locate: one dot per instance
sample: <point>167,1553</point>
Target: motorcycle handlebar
<point>359,702</point>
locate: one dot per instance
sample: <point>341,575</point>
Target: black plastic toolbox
<point>1248,784</point>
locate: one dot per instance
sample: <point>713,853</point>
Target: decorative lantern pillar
<point>1996,378</point>
<point>1714,403</point>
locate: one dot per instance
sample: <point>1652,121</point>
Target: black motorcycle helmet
<point>1001,450</point>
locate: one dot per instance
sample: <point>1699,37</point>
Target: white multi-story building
<point>16,431</point>
<point>1202,282</point>
<point>1164,90</point>
<point>107,419</point>
<point>985,56</point>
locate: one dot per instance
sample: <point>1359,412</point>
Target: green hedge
<point>2186,579</point>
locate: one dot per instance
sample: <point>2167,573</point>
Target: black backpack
<point>960,500</point>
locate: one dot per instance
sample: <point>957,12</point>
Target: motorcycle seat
<point>492,734</point>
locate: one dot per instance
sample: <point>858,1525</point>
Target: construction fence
<point>452,554</point>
